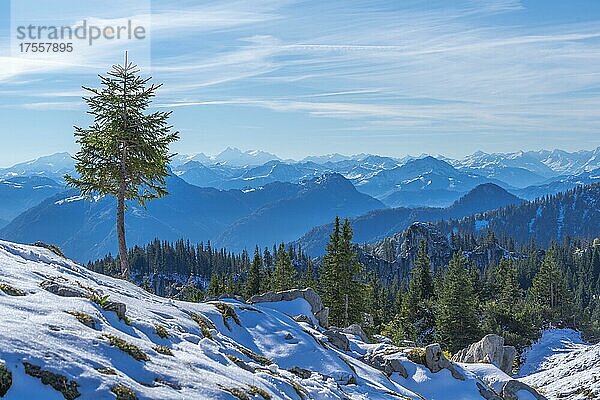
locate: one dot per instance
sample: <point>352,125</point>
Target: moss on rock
<point>203,324</point>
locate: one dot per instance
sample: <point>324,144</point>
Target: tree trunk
<point>121,235</point>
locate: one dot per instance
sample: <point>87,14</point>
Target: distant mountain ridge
<point>86,230</point>
<point>376,225</point>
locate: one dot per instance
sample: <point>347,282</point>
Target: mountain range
<point>233,218</point>
<point>239,199</point>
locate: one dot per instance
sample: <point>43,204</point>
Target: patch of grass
<point>163,350</point>
<point>58,382</point>
<point>240,363</point>
<point>300,391</point>
<point>5,380</point>
<point>203,324</point>
<point>126,347</point>
<point>240,394</point>
<point>53,248</point>
<point>161,331</point>
<point>11,291</point>
<point>256,391</point>
<point>84,318</point>
<point>253,356</point>
<point>416,355</point>
<point>123,392</point>
<point>106,371</point>
<point>227,312</point>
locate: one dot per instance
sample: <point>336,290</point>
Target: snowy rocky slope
<point>66,332</point>
<point>562,366</point>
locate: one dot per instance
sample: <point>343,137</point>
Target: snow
<point>562,366</point>
<point>36,328</point>
<point>69,200</point>
<point>481,225</point>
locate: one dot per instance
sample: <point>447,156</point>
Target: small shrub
<point>203,324</point>
<point>161,331</point>
<point>84,318</point>
<point>123,392</point>
<point>58,382</point>
<point>126,347</point>
<point>106,371</point>
<point>227,312</point>
<point>11,291</point>
<point>416,355</point>
<point>163,350</point>
<point>97,298</point>
<point>5,380</point>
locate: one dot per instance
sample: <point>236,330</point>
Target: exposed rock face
<point>436,361</point>
<point>490,350</point>
<point>356,330</point>
<point>511,389</point>
<point>386,364</point>
<point>119,308</point>
<point>319,310</point>
<point>337,339</point>
<point>62,290</point>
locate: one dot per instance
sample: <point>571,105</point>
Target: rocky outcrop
<point>318,309</point>
<point>489,350</point>
<point>62,290</point>
<point>356,330</point>
<point>436,361</point>
<point>511,389</point>
<point>385,363</point>
<point>337,339</point>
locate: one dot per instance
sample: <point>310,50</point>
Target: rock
<point>511,389</point>
<point>119,308</point>
<point>356,330</point>
<point>288,336</point>
<point>62,290</point>
<point>303,318</point>
<point>316,304</point>
<point>300,372</point>
<point>344,378</point>
<point>386,365</point>
<point>489,350</point>
<point>487,393</point>
<point>225,296</point>
<point>436,361</point>
<point>338,340</point>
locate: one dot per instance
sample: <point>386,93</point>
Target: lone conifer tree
<point>125,152</point>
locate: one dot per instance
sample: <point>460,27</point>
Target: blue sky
<point>310,77</point>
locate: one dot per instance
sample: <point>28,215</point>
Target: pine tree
<point>125,153</point>
<point>550,293</point>
<point>343,292</point>
<point>418,318</point>
<point>284,275</point>
<point>253,281</point>
<point>456,319</point>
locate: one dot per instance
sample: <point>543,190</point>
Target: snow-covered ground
<point>562,366</point>
<point>236,351</point>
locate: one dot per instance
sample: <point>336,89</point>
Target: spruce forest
<point>529,290</point>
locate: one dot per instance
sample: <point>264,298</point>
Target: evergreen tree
<point>253,281</point>
<point>456,319</point>
<point>125,153</point>
<point>550,293</point>
<point>284,275</point>
<point>343,292</point>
